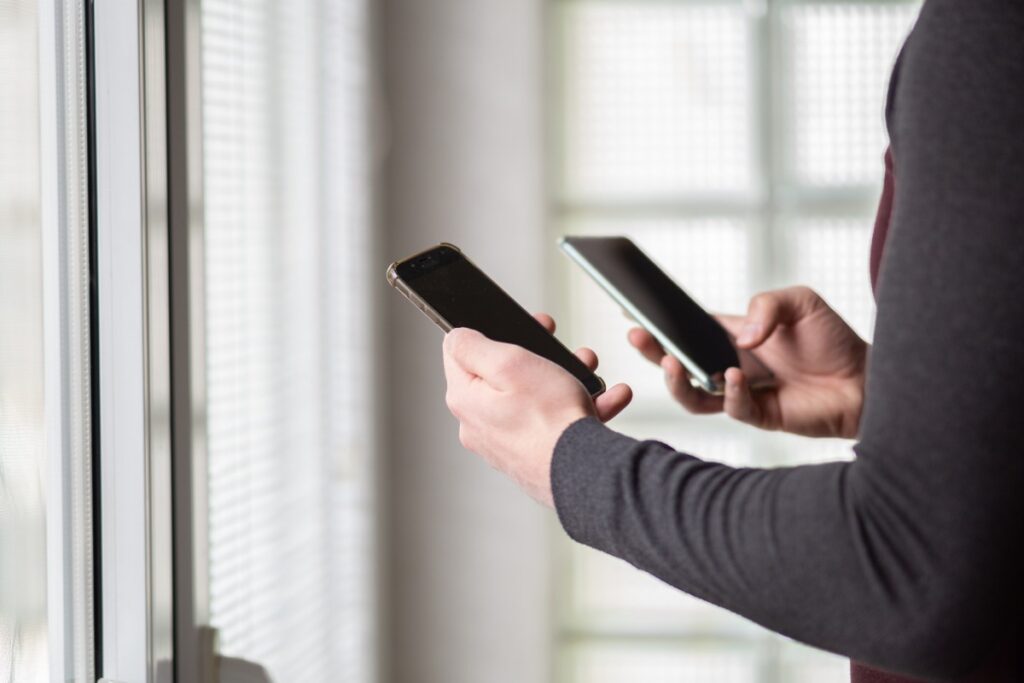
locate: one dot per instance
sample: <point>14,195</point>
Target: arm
<point>905,557</point>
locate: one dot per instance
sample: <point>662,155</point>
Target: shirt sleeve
<point>904,558</point>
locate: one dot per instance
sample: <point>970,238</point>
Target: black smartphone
<point>453,292</point>
<point>660,306</point>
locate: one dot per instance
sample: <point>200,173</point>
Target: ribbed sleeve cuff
<point>584,480</point>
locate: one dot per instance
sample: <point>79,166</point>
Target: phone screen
<point>637,282</point>
<point>465,297</point>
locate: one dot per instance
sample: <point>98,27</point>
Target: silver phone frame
<point>713,384</point>
<point>416,300</point>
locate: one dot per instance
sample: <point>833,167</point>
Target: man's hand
<point>818,361</point>
<point>513,405</point>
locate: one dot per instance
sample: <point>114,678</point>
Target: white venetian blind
<point>286,206</point>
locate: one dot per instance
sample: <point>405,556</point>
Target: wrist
<point>849,422</point>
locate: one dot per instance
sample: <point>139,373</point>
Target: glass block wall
<point>740,144</point>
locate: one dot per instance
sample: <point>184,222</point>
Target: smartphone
<point>453,292</point>
<point>660,306</point>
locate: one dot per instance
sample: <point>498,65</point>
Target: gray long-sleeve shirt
<point>908,557</point>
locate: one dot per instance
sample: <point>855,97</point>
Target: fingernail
<point>749,333</point>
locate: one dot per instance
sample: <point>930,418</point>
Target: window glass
<point>832,254</point>
<point>660,663</point>
<point>838,58</point>
<point>659,98</point>
<point>23,571</point>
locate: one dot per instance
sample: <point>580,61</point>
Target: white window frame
<point>133,330</point>
<point>68,409</point>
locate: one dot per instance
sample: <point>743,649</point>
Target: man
<point>908,558</point>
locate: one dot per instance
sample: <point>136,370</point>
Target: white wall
<point>467,554</point>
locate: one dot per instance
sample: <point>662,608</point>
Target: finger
<point>588,357</point>
<point>482,357</point>
<point>733,324</point>
<point>454,374</point>
<point>612,402</point>
<point>546,320</point>
<point>646,344</point>
<point>768,310</point>
<point>678,382</point>
<point>461,387</point>
<point>739,401</point>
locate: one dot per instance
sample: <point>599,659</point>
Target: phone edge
<point>603,386</point>
<point>396,282</point>
<point>426,309</point>
<point>696,373</point>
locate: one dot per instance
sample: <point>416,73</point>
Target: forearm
<point>823,554</point>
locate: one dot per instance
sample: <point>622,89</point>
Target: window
<point>740,143</point>
<point>46,583</point>
<point>23,500</point>
<point>288,384</point>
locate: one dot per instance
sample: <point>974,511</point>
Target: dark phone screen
<point>660,300</point>
<point>464,296</point>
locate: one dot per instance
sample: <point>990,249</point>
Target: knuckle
<point>458,339</point>
<point>466,438</point>
<point>761,305</point>
<point>733,406</point>
<point>679,387</point>
<point>803,293</point>
<point>512,363</point>
<point>452,341</point>
<point>763,300</point>
<point>451,400</point>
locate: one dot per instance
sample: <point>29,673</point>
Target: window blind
<point>284,101</point>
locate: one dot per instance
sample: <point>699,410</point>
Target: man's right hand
<point>819,364</point>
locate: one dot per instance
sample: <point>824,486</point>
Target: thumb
<point>612,402</point>
<point>770,309</point>
<point>471,351</point>
<point>495,362</point>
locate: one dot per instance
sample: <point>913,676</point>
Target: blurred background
<point>350,538</point>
